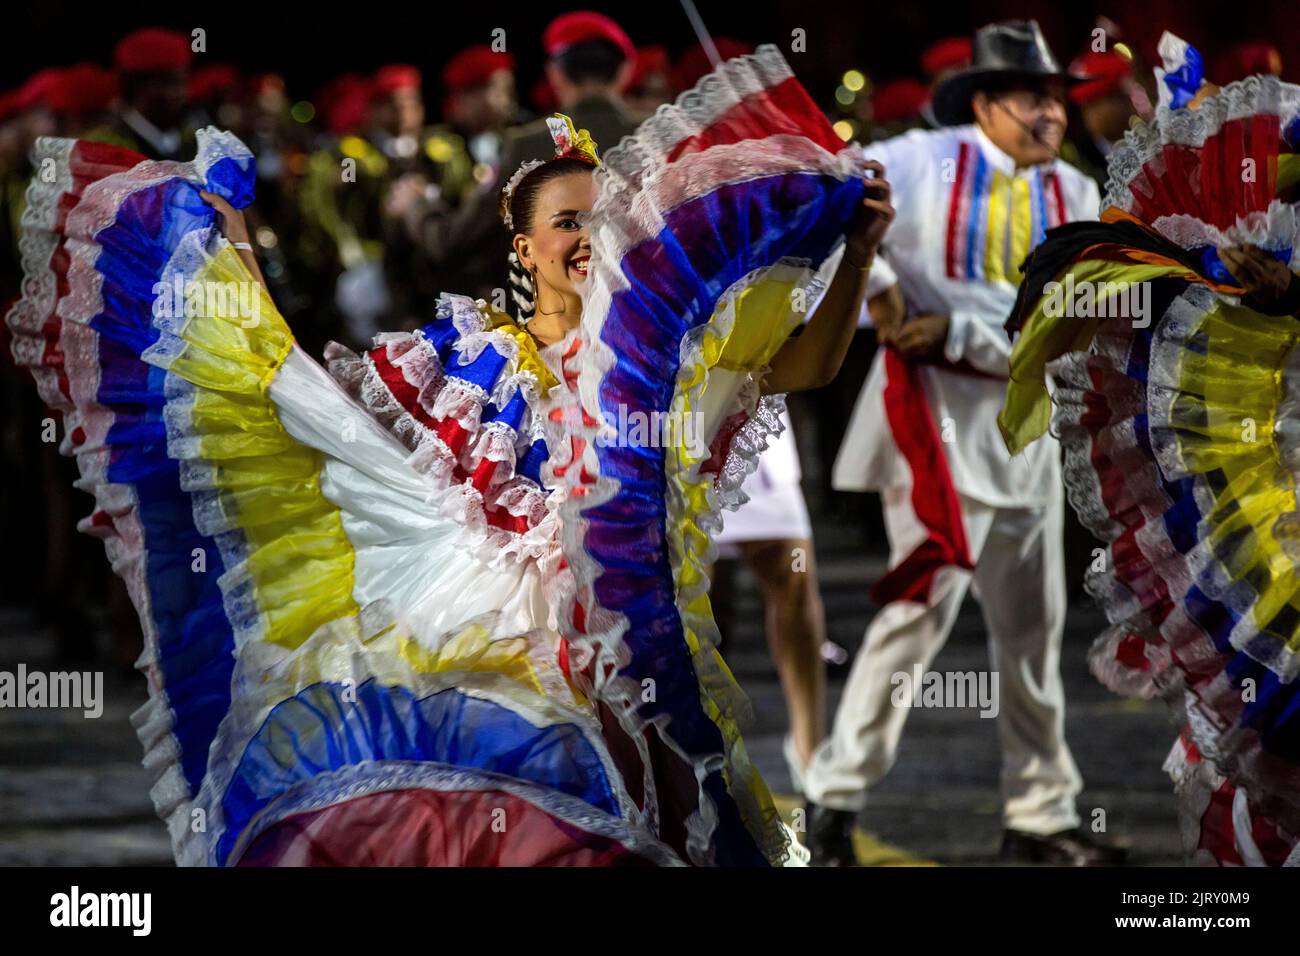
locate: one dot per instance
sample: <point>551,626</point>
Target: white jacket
<point>965,219</point>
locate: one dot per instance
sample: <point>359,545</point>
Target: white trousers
<point>1019,580</point>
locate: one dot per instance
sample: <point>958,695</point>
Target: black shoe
<point>830,836</point>
<point>1067,848</point>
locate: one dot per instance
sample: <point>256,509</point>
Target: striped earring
<point>523,290</point>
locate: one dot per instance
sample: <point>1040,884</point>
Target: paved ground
<point>72,790</point>
<point>940,802</point>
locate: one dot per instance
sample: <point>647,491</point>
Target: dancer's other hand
<point>405,192</point>
<point>888,312</point>
<point>1271,287</point>
<point>873,220</point>
<point>922,337</point>
<point>233,226</point>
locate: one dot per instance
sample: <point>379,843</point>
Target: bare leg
<point>795,622</point>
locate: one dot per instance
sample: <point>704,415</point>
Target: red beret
<point>49,88</point>
<point>694,64</point>
<point>543,96</point>
<point>470,69</point>
<point>898,100</point>
<point>343,103</point>
<point>152,50</point>
<point>945,54</point>
<point>91,87</point>
<point>396,76</point>
<point>566,30</point>
<point>332,91</point>
<point>1247,59</point>
<point>8,104</point>
<point>649,59</point>
<point>207,81</point>
<point>1105,73</point>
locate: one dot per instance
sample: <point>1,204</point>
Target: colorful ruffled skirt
<point>418,609</point>
<point>1177,408</point>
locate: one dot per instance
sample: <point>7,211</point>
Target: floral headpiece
<point>576,143</point>
<point>570,142</point>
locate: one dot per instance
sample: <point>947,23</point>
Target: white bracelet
<point>242,245</point>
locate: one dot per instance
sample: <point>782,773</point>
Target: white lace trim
<point>442,396</point>
<point>1286,431</point>
<point>214,145</point>
<point>1273,229</point>
<point>36,245</point>
<point>696,109</point>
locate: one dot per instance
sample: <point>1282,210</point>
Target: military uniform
<point>348,213</point>
<point>472,239</point>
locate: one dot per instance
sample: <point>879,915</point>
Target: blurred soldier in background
<point>152,68</point>
<point>478,104</point>
<point>651,84</point>
<point>1104,105</point>
<point>589,60</point>
<point>386,281</point>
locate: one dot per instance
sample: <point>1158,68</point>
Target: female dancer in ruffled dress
<point>444,604</point>
<point>1173,326</point>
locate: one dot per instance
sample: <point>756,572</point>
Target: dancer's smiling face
<point>555,244</point>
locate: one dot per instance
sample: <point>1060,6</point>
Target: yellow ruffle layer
<point>294,551</point>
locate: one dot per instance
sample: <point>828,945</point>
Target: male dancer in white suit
<point>972,199</point>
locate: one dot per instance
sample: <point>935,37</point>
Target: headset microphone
<point>1031,130</point>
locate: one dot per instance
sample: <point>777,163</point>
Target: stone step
<point>98,794</point>
<point>121,844</point>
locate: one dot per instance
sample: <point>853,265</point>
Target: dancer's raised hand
<point>873,218</point>
<point>233,226</point>
<point>1271,287</point>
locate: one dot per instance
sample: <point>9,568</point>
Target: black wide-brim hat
<point>1013,49</point>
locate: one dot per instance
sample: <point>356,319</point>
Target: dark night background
<point>311,42</point>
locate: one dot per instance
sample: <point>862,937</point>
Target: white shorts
<point>776,509</point>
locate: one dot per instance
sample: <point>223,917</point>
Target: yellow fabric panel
<point>296,554</point>
<point>471,651</point>
<point>1022,223</point>
<point>765,316</point>
<point>1027,411</point>
<point>1288,171</point>
<point>1224,415</point>
<point>995,239</point>
<point>363,646</point>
